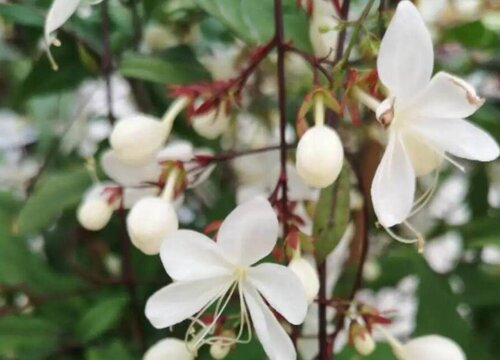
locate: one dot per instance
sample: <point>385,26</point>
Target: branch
<point>281,48</point>
<point>106,61</point>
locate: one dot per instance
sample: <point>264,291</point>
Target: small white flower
<point>424,116</point>
<point>319,156</point>
<point>324,42</point>
<point>60,11</point>
<point>169,348</point>
<point>206,273</point>
<point>139,137</point>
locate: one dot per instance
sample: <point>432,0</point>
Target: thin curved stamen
<point>426,196</point>
<point>419,239</point>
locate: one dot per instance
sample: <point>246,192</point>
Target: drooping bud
<point>431,347</point>
<point>319,156</point>
<point>361,339</point>
<point>169,348</point>
<point>307,275</point>
<point>220,349</point>
<point>139,137</point>
<point>213,123</point>
<point>149,221</point>
<point>324,42</point>
<point>94,213</point>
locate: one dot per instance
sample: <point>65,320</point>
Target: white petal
<point>188,255</point>
<point>179,301</point>
<point>272,336</point>
<point>458,137</point>
<point>179,150</point>
<point>448,97</point>
<point>60,11</point>
<point>433,347</point>
<point>282,290</point>
<point>129,174</point>
<point>393,186</point>
<point>132,195</point>
<point>249,233</point>
<point>406,56</point>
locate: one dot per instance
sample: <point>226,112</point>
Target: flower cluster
<point>422,120</point>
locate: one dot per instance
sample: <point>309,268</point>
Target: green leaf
<point>382,352</point>
<point>438,312</point>
<point>21,14</point>
<point>253,21</point>
<point>472,35</point>
<point>21,333</point>
<point>54,194</point>
<point>101,318</point>
<point>181,70</point>
<point>115,350</point>
<point>332,215</point>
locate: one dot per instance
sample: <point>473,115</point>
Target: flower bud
<point>137,138</point>
<point>220,349</point>
<point>149,221</point>
<point>431,347</point>
<point>211,124</point>
<point>361,339</point>
<point>94,213</point>
<point>169,348</point>
<point>319,156</point>
<point>307,275</point>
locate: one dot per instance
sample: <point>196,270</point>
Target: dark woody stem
<point>107,61</point>
<point>281,49</point>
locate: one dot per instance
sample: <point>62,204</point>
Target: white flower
<point>169,348</point>
<point>60,11</point>
<point>424,116</point>
<point>206,273</point>
<point>430,347</point>
<point>324,42</point>
<point>139,137</point>
<point>319,156</point>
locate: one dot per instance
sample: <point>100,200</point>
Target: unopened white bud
<point>149,221</point>
<point>220,349</point>
<point>137,138</point>
<point>307,275</point>
<point>94,213</point>
<point>169,348</point>
<point>319,156</point>
<point>158,37</point>
<point>431,347</point>
<point>211,124</point>
<point>364,344</point>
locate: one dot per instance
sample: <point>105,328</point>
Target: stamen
<point>222,300</point>
<point>419,239</point>
<point>426,196</point>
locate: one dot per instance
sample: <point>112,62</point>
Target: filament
<point>221,301</point>
<point>426,196</point>
<point>168,190</point>
<point>366,99</point>
<point>418,239</point>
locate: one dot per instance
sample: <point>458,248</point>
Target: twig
<point>358,281</point>
<point>355,34</point>
<point>107,58</point>
<point>128,279</point>
<point>281,48</point>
